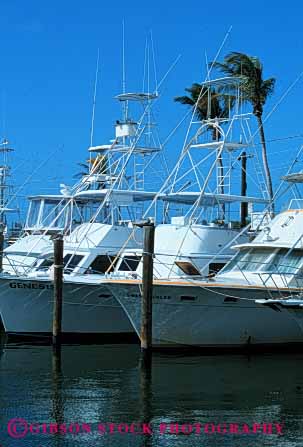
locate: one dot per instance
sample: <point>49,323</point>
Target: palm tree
<point>84,170</point>
<point>209,103</point>
<point>96,165</point>
<point>256,91</point>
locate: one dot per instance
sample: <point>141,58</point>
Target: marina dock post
<point>58,285</point>
<point>147,283</point>
<point>147,286</point>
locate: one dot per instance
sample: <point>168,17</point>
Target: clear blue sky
<point>48,58</point>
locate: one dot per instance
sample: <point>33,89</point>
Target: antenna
<point>4,112</point>
<point>154,60</point>
<point>123,70</point>
<point>94,101</point>
<point>144,66</point>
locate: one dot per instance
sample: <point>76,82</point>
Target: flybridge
<point>230,146</point>
<point>208,199</point>
<point>123,196</point>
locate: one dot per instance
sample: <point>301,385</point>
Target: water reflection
<point>57,395</point>
<point>106,384</point>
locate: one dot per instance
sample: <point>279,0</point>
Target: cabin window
<point>54,214</point>
<point>188,268</point>
<point>253,260</point>
<point>215,267</point>
<point>33,214</point>
<point>70,262</point>
<point>46,264</point>
<point>284,262</point>
<point>129,263</point>
<point>101,264</point>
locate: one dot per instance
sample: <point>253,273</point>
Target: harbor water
<point>96,395</point>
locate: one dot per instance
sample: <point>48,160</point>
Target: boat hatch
<point>102,264</point>
<point>187,267</point>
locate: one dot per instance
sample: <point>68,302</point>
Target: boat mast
<point>4,174</point>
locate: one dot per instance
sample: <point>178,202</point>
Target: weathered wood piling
<point>58,285</point>
<point>147,286</point>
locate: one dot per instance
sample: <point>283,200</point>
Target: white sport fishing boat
<point>109,169</point>
<point>255,301</point>
<point>196,241</point>
<point>47,215</point>
<point>96,218</point>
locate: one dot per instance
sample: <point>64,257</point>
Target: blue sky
<point>48,55</point>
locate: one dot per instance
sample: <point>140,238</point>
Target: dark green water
<point>102,384</point>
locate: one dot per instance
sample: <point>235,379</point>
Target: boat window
<point>93,210</point>
<point>54,213</point>
<point>188,268</point>
<point>129,263</point>
<point>48,262</point>
<point>285,262</point>
<point>33,213</point>
<point>252,260</point>
<point>102,263</point>
<point>70,262</point>
<point>215,267</point>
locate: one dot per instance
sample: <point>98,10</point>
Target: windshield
<point>285,261</point>
<point>33,213</point>
<point>55,214</point>
<point>249,260</point>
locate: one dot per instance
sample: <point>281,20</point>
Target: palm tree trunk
<point>265,164</point>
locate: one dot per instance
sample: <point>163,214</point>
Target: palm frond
<point>185,100</point>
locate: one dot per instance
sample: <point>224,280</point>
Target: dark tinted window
<point>46,264</point>
<point>71,261</point>
<point>129,263</point>
<point>215,267</point>
<point>102,263</point>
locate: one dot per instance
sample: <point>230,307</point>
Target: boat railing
<point>259,220</point>
<point>280,283</point>
<point>265,275</point>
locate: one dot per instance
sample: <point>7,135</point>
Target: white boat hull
<point>209,316</point>
<point>26,307</point>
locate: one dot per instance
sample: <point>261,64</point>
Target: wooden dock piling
<point>58,285</point>
<point>147,283</point>
<point>147,286</point>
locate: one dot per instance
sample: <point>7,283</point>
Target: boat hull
<point>209,317</point>
<point>26,307</point>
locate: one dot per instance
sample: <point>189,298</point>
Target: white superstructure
<point>194,207</point>
<point>255,301</point>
